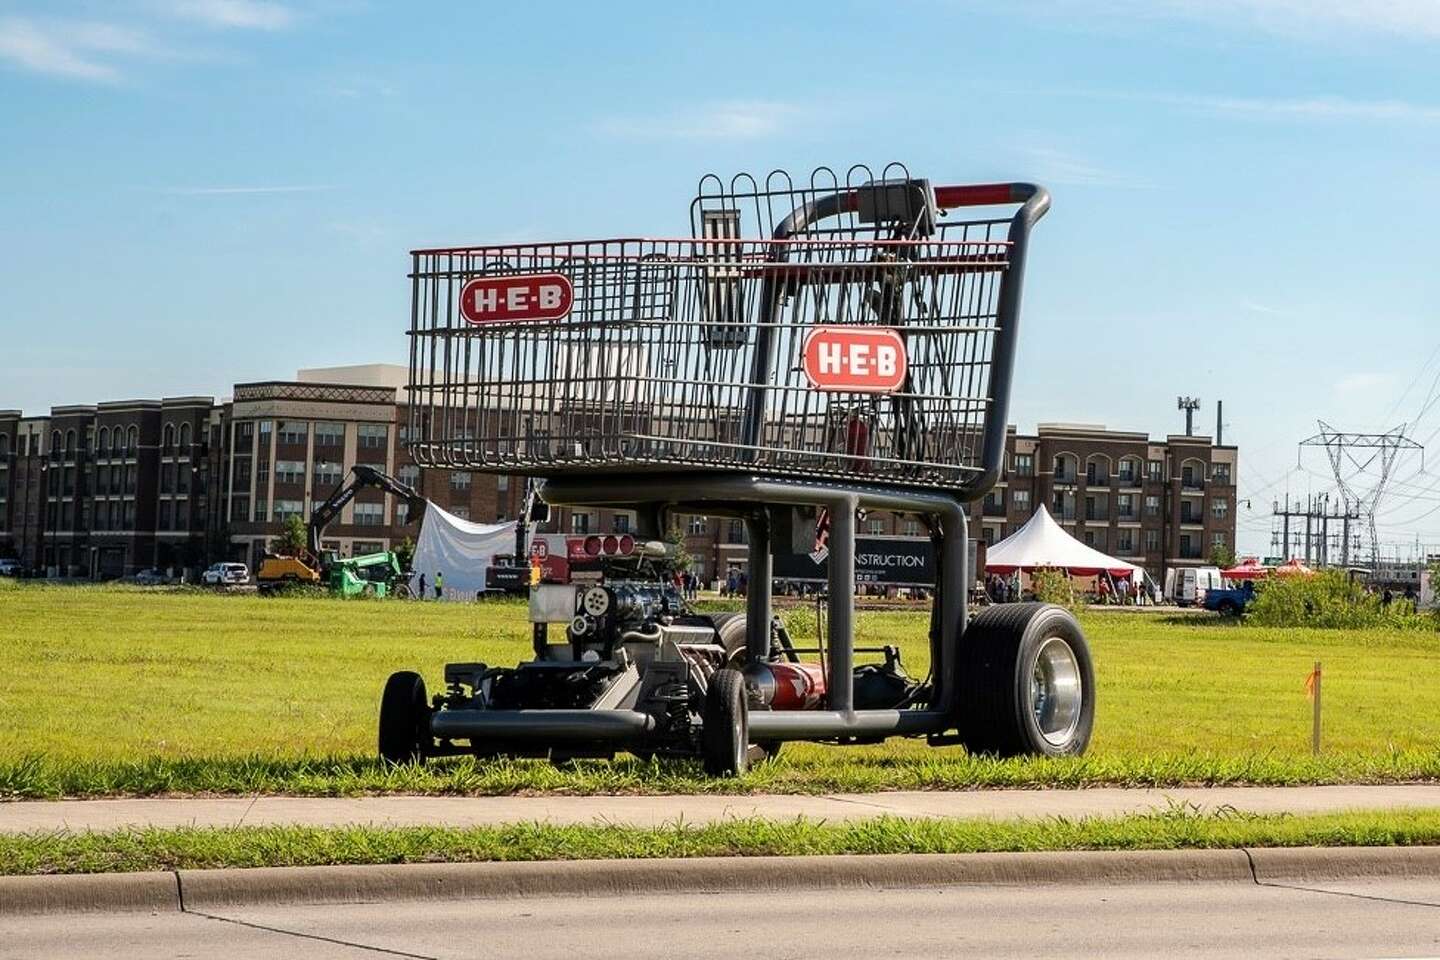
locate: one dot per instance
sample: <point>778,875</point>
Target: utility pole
<point>1189,405</point>
<point>1351,456</point>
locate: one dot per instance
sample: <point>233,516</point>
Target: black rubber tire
<point>1228,608</point>
<point>725,737</point>
<point>997,661</point>
<point>731,628</point>
<point>400,591</point>
<point>404,719</point>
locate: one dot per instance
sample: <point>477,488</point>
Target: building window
<point>409,475</point>
<point>287,471</point>
<point>167,515</point>
<point>1219,508</point>
<point>1129,470</point>
<point>129,514</point>
<point>1125,541</point>
<point>329,434</point>
<point>1152,505</point>
<point>1155,470</point>
<point>875,528</point>
<point>266,427</point>
<point>1021,499</point>
<point>372,435</point>
<point>291,431</point>
<point>167,442</point>
<point>462,512</point>
<point>129,479</point>
<point>1221,473</point>
<point>579,523</point>
<point>502,482</point>
<point>460,480</point>
<point>103,447</point>
<point>402,513</point>
<point>620,520</point>
<point>1189,550</point>
<point>362,547</point>
<point>911,528</point>
<point>239,511</point>
<point>327,474</point>
<point>698,526</point>
<point>373,514</point>
<point>1125,506</point>
<point>991,535</point>
<point>260,507</point>
<point>1217,540</point>
<point>167,478</point>
<point>285,509</point>
<point>1097,471</point>
<point>184,439</point>
<point>1024,464</point>
<point>1152,541</point>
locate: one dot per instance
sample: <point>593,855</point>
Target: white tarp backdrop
<point>460,550</point>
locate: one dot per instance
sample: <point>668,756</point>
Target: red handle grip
<point>981,195</point>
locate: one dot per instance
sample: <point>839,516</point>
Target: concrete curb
<point>206,890</point>
<point>1319,864</point>
<point>89,893</point>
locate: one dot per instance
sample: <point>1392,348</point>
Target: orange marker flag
<point>1310,682</point>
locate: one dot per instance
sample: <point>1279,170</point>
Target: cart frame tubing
<point>749,498</point>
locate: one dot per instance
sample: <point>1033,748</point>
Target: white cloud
<point>725,120</point>
<point>1408,18</point>
<point>240,14</point>
<point>70,49</point>
<point>1049,165</point>
<point>226,190</point>
<point>1281,108</point>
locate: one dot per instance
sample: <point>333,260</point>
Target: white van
<point>1185,586</point>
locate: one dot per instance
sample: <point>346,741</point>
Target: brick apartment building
<point>106,490</point>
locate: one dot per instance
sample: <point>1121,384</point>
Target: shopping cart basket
<point>843,327</point>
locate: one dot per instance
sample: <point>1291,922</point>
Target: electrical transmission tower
<point>1358,457</point>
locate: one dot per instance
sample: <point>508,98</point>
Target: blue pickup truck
<point>1230,601</point>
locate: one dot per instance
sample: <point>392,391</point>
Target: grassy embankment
<point>303,846</point>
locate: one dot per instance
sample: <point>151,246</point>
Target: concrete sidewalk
<point>394,811</point>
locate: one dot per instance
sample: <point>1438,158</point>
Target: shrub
<point>1053,586</point>
<point>1329,599</point>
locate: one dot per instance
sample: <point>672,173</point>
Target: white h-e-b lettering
<point>829,357</point>
<point>549,296</point>
<point>486,299</point>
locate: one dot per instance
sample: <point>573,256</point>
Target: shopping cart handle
<point>983,194</point>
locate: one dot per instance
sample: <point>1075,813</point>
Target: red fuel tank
<point>785,686</point>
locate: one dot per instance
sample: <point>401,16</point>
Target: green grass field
<point>113,689</point>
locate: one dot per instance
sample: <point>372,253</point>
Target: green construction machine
<point>368,575</point>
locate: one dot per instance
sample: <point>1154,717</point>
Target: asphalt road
<point>1370,919</point>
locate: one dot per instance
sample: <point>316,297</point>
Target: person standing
<point>421,594</point>
<point>439,585</point>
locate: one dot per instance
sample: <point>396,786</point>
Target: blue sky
<point>199,192</point>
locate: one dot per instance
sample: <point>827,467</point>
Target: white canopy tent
<point>1042,544</point>
<point>460,550</point>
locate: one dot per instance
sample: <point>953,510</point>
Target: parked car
<point>1186,586</point>
<point>226,575</point>
<point>150,578</point>
<point>9,568</point>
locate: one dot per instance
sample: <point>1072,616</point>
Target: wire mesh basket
<point>845,328</point>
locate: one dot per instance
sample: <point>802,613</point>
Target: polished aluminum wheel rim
<point>1056,691</point>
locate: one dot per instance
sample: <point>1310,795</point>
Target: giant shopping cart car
<point>813,350</point>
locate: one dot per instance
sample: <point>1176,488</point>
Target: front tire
<point>404,719</point>
<point>725,736</point>
<point>1026,683</point>
<point>731,630</point>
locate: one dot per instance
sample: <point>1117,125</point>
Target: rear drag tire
<point>404,719</point>
<point>1026,682</point>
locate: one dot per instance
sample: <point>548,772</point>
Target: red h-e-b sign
<point>854,359</point>
<point>531,296</point>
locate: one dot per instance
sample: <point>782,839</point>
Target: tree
<point>294,538</point>
<point>1222,556</point>
<point>681,557</point>
<point>405,554</point>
